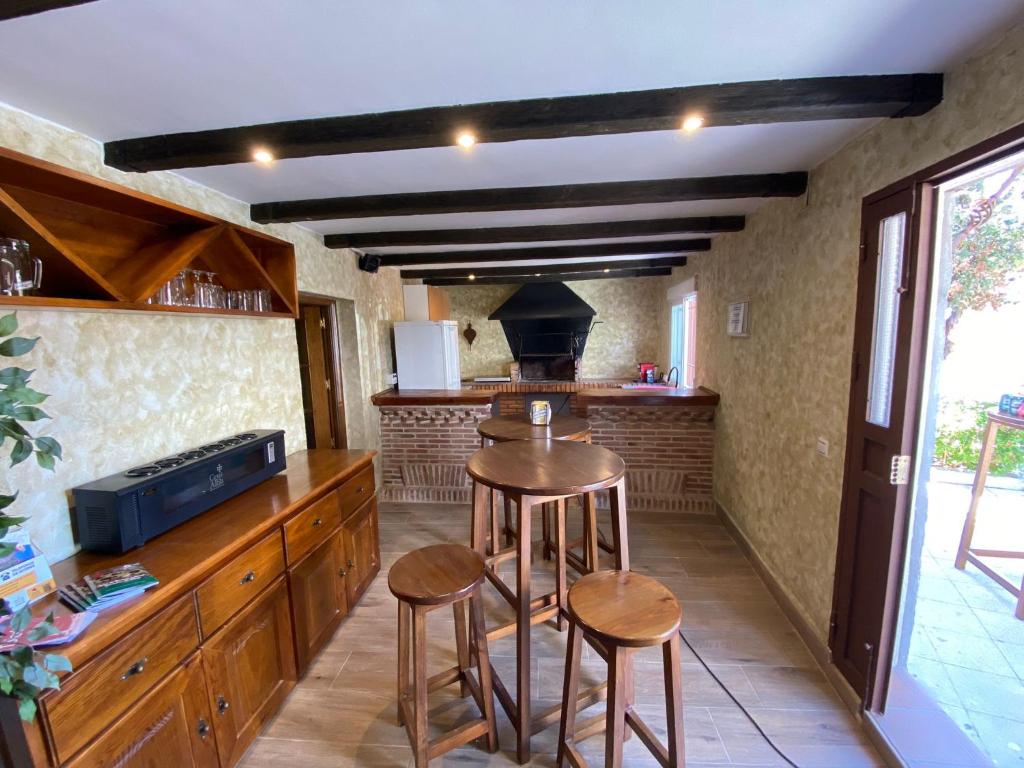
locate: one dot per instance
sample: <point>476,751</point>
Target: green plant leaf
<point>6,501</point>
<point>50,446</point>
<point>12,428</point>
<point>27,709</point>
<point>15,376</point>
<point>29,413</point>
<point>25,395</point>
<point>20,620</point>
<point>45,461</point>
<point>57,663</point>
<point>6,549</point>
<point>8,324</point>
<point>20,452</point>
<point>10,521</point>
<point>17,346</point>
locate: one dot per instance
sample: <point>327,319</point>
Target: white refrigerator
<point>427,352</point>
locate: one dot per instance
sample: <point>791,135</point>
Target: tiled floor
<point>965,655</point>
<point>343,713</point>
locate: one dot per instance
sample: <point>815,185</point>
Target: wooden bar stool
<point>532,472</point>
<point>620,612</point>
<point>424,580</point>
<point>503,429</point>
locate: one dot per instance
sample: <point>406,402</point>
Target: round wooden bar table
<point>532,472</point>
<point>503,429</point>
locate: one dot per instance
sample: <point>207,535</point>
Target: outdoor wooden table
<point>966,553</point>
<point>531,472</point>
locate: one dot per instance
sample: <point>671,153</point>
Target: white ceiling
<point>124,68</point>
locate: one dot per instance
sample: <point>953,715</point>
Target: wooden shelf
<point>106,247</point>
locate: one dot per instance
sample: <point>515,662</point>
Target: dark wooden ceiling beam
<point>13,9</point>
<point>540,233</point>
<point>517,279</point>
<point>525,270</point>
<point>546,253</point>
<point>763,101</point>
<point>534,198</point>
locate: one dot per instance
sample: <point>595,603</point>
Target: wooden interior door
<point>322,395</point>
<point>250,666</point>
<point>889,327</point>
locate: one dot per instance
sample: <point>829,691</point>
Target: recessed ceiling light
<point>692,123</point>
<point>472,276</point>
<point>536,274</point>
<point>465,139</point>
<point>263,156</point>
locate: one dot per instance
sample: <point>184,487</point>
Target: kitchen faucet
<point>668,376</point>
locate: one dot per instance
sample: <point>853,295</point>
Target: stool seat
<point>436,575</point>
<point>624,608</point>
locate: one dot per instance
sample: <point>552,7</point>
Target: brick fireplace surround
<point>666,440</point>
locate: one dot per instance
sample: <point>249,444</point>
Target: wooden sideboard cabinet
<point>189,673</point>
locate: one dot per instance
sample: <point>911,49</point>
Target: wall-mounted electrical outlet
<point>822,446</point>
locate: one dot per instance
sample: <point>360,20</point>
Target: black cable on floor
<point>737,703</point>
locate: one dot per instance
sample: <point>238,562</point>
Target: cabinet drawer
<point>304,532</point>
<point>105,687</point>
<point>355,492</point>
<point>227,591</point>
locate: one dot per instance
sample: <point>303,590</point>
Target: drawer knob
<point>360,489</point>
<point>203,728</point>
<point>342,572</point>
<point>248,578</point>
<point>135,669</point>
<point>351,564</point>
<point>222,705</point>
<point>318,521</point>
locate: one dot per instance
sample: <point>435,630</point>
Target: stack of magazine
<point>107,588</point>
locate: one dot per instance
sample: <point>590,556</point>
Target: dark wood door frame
<point>335,375</point>
<point>922,186</point>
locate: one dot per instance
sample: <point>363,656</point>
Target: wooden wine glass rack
<point>109,247</point>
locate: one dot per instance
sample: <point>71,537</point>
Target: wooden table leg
<point>421,742</point>
<point>461,645</point>
<point>523,626</point>
<point>478,518</point>
<point>495,526</point>
<point>479,635</point>
<point>545,525</point>
<point>673,701</point>
<point>617,498</point>
<point>616,713</point>
<point>570,692</point>
<point>403,657</point>
<point>560,575</point>
<point>590,537</point>
<point>980,475</point>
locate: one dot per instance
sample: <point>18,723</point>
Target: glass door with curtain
<point>684,339</point>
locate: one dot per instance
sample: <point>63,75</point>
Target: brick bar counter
<point>666,438</point>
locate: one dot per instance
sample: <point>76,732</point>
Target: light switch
<point>823,446</point>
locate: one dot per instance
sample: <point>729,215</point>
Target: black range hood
<point>546,326</point>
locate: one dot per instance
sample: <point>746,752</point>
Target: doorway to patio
<point>956,688</point>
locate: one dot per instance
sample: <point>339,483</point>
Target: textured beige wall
<point>630,330</point>
<point>127,388</point>
<point>796,262</point>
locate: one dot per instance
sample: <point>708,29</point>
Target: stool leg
<point>616,713</point>
<point>545,524</point>
<point>419,667</point>
<point>495,524</point>
<point>461,646</point>
<point>560,578</point>
<point>590,532</point>
<point>476,618</point>
<point>508,521</point>
<point>674,702</point>
<point>403,657</point>
<point>478,524</point>
<point>570,691</point>
<point>617,497</point>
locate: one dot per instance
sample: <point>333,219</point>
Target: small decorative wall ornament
<point>737,322</point>
<point>469,334</point>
